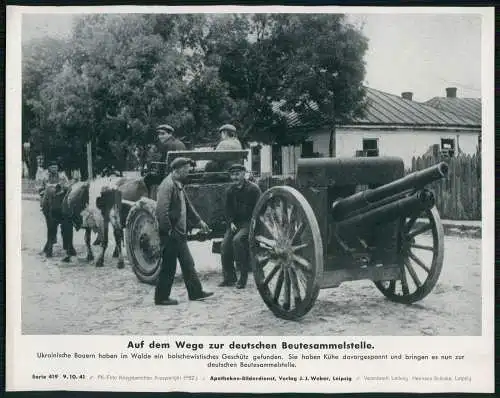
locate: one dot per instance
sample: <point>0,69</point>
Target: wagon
<point>206,190</point>
<point>347,219</point>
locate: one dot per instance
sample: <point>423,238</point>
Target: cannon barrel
<point>421,200</point>
<point>414,181</point>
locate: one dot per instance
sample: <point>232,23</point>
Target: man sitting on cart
<point>229,142</point>
<point>241,199</point>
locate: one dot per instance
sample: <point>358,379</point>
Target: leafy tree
<point>323,82</point>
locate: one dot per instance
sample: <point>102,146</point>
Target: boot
<point>242,282</point>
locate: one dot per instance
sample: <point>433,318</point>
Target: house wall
<point>405,143</point>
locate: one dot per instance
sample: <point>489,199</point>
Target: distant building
<point>392,126</point>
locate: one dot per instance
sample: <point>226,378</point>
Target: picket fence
<point>458,197</point>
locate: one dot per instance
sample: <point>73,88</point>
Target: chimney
<point>451,92</point>
<point>407,95</point>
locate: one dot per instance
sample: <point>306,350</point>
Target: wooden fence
<point>458,197</point>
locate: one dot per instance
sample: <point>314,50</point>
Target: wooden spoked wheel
<point>421,249</point>
<point>286,252</point>
<point>143,240</point>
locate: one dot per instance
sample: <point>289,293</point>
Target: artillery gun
<point>347,219</point>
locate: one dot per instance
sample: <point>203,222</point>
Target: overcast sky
<point>422,53</point>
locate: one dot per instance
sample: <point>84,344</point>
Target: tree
<point>323,82</point>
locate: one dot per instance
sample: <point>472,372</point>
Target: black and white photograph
<point>252,174</point>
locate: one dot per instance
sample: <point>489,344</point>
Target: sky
<point>421,53</point>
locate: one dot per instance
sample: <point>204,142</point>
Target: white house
<point>392,126</point>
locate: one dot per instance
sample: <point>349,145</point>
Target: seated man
<point>228,142</point>
<point>241,199</point>
<point>167,141</point>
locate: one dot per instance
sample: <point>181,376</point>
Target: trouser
<point>235,250</point>
<point>173,248</point>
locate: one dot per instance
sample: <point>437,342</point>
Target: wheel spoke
<point>413,274</point>
<point>286,304</point>
<point>404,283</point>
<point>262,261</point>
<point>418,261</point>
<point>423,247</point>
<point>268,242</point>
<point>267,226</point>
<point>276,223</point>
<point>419,230</point>
<point>279,285</point>
<point>271,274</point>
<point>299,247</point>
<point>302,262</point>
<point>298,231</point>
<point>410,223</point>
<point>296,288</point>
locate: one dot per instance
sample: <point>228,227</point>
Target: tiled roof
<point>388,109</point>
<point>467,107</point>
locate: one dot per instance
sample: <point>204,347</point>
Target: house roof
<point>467,107</point>
<point>389,109</point>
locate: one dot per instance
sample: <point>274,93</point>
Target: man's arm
<point>191,212</point>
<point>164,198</point>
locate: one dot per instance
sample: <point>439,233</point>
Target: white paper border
<point>17,345</point>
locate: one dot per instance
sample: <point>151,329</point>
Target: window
<point>307,149</point>
<point>448,146</point>
<point>370,147</point>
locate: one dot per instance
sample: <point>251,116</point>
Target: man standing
<point>52,176</point>
<point>173,211</point>
<point>241,199</point>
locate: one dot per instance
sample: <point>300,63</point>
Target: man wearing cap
<point>52,176</point>
<point>167,140</point>
<point>241,199</point>
<point>229,141</point>
<point>174,211</point>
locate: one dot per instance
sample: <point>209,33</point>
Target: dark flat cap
<point>228,127</point>
<point>53,163</point>
<point>165,127</point>
<point>179,162</point>
<point>236,167</point>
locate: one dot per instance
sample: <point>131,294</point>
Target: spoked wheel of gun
<point>286,252</point>
<point>143,240</point>
<point>421,248</point>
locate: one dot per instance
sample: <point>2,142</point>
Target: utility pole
<point>89,160</point>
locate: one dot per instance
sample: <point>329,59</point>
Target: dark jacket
<point>172,144</point>
<point>240,202</point>
<point>168,207</point>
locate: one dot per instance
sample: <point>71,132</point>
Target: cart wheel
<point>421,245</point>
<point>143,240</point>
<point>286,252</point>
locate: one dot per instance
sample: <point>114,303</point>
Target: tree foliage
<point>120,75</point>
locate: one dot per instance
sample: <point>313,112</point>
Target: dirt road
<point>77,298</point>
